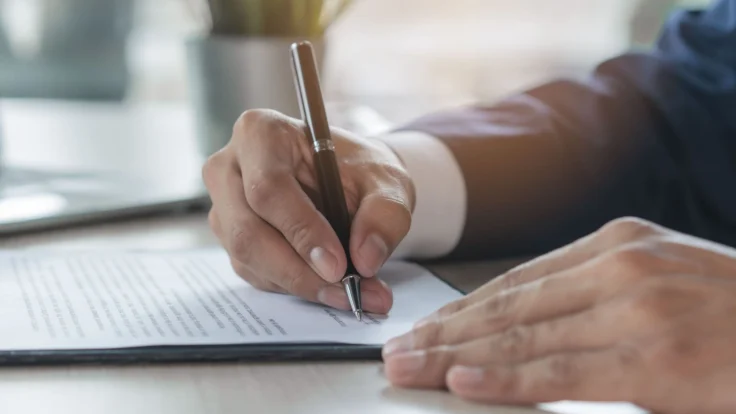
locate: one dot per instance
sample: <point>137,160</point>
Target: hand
<point>634,312</point>
<point>276,238</point>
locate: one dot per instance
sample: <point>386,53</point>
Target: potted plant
<point>242,61</point>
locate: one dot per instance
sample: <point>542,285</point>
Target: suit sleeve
<point>651,135</point>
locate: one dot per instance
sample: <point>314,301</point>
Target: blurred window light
<point>21,20</point>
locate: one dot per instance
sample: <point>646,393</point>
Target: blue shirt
<point>649,134</point>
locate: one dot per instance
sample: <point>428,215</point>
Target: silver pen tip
<point>358,314</point>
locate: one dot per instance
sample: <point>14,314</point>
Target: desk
<point>222,388</point>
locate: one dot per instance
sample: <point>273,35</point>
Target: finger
<point>562,294</point>
<point>649,312</point>
<point>613,291</point>
<point>278,262</point>
<point>278,199</point>
<point>272,258</point>
<point>381,222</point>
<point>596,328</point>
<point>602,375</point>
<point>254,279</point>
<point>607,319</point>
<point>615,235</point>
<point>215,225</point>
<point>556,261</point>
<point>223,181</point>
<point>230,210</point>
<point>269,260</point>
<point>269,165</point>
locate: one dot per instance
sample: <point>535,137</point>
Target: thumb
<point>382,220</point>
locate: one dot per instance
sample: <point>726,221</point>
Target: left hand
<point>634,312</point>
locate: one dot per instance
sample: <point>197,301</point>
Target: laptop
<point>34,200</point>
<point>67,163</point>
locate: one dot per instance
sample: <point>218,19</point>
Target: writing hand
<point>634,312</point>
<point>260,185</point>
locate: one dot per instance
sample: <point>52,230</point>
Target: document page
<point>97,300</point>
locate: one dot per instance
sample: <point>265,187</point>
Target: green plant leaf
<point>300,18</point>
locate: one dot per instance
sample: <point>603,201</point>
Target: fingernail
<point>324,262</point>
<point>461,376</point>
<point>403,343</point>
<point>409,363</point>
<point>333,297</point>
<point>374,252</point>
<point>372,301</point>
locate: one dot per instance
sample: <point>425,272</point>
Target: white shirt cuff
<point>439,214</point>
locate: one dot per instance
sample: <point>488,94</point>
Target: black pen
<point>334,207</point>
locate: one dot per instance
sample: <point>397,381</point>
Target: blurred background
<point>112,106</point>
<point>385,53</point>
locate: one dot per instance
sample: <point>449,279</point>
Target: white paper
<point>96,300</point>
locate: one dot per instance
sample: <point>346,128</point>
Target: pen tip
<point>358,314</point>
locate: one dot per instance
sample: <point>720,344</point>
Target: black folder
<point>261,352</point>
<point>278,352</point>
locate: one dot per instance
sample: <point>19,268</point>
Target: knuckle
<point>498,322</point>
<point>564,372</point>
<point>298,233</point>
<point>651,305</point>
<point>626,229</point>
<point>514,277</point>
<point>214,166</point>
<point>261,189</point>
<point>498,304</point>
<point>248,120</point>
<point>390,207</point>
<point>397,175</point>
<point>635,262</point>
<point>516,343</point>
<point>450,308</point>
<point>430,334</point>
<point>267,122</point>
<point>241,240</point>
<point>397,207</point>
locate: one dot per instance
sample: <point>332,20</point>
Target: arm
<point>649,135</point>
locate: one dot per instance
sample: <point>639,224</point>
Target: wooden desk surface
<point>223,388</point>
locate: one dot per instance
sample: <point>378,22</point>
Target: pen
<point>334,207</point>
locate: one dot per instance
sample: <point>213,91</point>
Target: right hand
<point>263,212</point>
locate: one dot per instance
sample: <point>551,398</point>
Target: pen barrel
<point>334,207</point>
<point>312,107</point>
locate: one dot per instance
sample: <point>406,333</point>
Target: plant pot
<point>229,75</point>
<point>80,53</point>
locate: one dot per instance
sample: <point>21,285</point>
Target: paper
<point>98,300</point>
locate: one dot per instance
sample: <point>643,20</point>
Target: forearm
<point>556,163</point>
<point>529,181</point>
<point>649,135</point>
<point>551,165</point>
